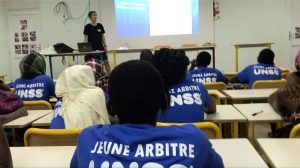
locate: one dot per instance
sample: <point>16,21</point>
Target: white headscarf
<point>83,103</point>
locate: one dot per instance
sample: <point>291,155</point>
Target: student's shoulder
<point>44,77</point>
<point>193,132</point>
<point>89,131</point>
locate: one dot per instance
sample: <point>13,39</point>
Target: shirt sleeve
<point>85,31</point>
<point>221,77</point>
<point>214,159</point>
<point>243,76</point>
<point>102,29</point>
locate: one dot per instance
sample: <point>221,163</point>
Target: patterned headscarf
<point>32,65</point>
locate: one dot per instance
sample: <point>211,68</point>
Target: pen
<point>254,114</point>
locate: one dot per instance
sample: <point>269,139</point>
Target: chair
<point>215,85</point>
<point>157,47</point>
<point>51,137</point>
<point>188,45</point>
<point>295,133</point>
<point>215,97</point>
<point>210,129</point>
<point>265,84</point>
<point>37,105</point>
<point>284,75</point>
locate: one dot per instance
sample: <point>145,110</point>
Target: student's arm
<point>193,65</point>
<point>222,78</point>
<point>209,104</point>
<point>85,39</point>
<point>5,155</point>
<point>74,161</point>
<point>21,112</point>
<point>241,77</point>
<point>107,66</point>
<point>104,42</point>
<point>214,159</point>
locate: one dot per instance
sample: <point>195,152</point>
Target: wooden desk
<point>238,153</point>
<point>23,122</point>
<point>235,153</point>
<point>43,121</point>
<point>281,152</point>
<point>42,157</point>
<point>227,114</point>
<point>67,55</point>
<point>249,94</point>
<point>267,116</point>
<point>220,94</point>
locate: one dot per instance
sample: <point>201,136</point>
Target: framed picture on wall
<point>297,32</point>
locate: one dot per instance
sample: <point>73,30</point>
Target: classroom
<point>149,83</point>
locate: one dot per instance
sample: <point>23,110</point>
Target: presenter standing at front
<point>94,33</point>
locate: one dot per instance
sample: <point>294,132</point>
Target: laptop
<point>85,47</point>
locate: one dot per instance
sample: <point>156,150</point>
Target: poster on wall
<point>24,32</point>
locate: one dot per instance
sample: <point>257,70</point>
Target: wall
<point>251,21</point>
<point>4,48</point>
<point>242,21</point>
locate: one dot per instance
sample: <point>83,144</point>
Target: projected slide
<point>156,17</point>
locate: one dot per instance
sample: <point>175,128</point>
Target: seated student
<point>33,84</point>
<point>188,100</point>
<point>100,76</point>
<point>264,70</point>
<point>204,74</point>
<point>83,104</point>
<point>286,100</point>
<point>136,95</point>
<point>146,55</point>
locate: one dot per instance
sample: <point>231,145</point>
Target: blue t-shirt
<point>206,75</point>
<point>256,72</point>
<point>57,121</point>
<point>188,100</point>
<point>144,146</point>
<point>38,88</point>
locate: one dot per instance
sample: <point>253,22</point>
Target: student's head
<point>266,56</point>
<point>92,15</point>
<point>136,93</point>
<point>172,65</point>
<point>203,59</point>
<point>146,55</point>
<point>32,65</point>
<point>297,61</point>
<point>74,79</point>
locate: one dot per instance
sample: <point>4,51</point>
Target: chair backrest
<point>37,105</point>
<point>157,47</point>
<point>284,75</point>
<point>295,133</point>
<point>265,84</point>
<point>188,45</point>
<point>210,129</point>
<point>215,85</point>
<point>215,97</point>
<point>51,137</point>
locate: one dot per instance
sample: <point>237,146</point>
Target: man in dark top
<point>94,33</point>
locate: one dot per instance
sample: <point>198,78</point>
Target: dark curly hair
<point>203,59</point>
<point>266,56</point>
<point>146,55</point>
<point>172,65</point>
<point>136,93</point>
